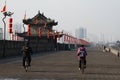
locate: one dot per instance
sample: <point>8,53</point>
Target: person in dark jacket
<point>84,54</point>
<point>26,51</point>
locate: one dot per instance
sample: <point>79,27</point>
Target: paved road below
<point>63,65</point>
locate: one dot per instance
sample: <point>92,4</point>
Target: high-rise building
<point>80,33</point>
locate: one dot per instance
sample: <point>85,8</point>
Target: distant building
<point>80,33</point>
<point>1,33</point>
<point>17,27</point>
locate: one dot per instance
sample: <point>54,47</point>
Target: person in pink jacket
<point>81,52</point>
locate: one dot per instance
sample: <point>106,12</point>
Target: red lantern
<point>48,34</point>
<point>40,32</point>
<point>10,20</point>
<point>12,36</point>
<point>16,38</point>
<point>54,35</point>
<point>10,25</point>
<point>28,29</point>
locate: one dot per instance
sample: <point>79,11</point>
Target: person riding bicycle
<point>81,53</point>
<point>26,51</point>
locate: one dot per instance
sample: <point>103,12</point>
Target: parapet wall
<point>13,48</point>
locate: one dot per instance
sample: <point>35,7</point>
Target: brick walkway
<point>63,65</point>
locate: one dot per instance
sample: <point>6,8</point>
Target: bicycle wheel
<point>26,68</point>
<point>82,66</point>
<point>26,65</point>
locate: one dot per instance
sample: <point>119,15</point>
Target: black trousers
<point>80,61</point>
<point>29,60</point>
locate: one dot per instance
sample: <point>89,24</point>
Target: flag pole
<point>23,24</point>
<point>5,13</point>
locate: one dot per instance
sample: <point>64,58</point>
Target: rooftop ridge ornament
<point>38,11</point>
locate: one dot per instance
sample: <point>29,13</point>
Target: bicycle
<point>26,64</point>
<point>82,65</point>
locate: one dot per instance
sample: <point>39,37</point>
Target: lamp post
<point>5,14</point>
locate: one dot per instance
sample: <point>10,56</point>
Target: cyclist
<point>27,51</point>
<point>79,54</point>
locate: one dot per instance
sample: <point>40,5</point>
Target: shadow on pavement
<point>43,71</point>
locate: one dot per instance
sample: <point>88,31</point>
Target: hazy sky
<point>101,18</point>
